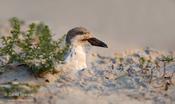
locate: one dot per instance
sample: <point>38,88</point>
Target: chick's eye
<point>81,33</point>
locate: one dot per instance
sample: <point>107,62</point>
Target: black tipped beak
<point>95,42</point>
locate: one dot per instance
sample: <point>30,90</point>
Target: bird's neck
<point>76,57</point>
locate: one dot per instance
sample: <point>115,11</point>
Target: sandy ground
<point>104,82</point>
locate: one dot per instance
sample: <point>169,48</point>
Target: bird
<point>80,41</point>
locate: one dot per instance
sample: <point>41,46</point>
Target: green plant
<point>15,90</point>
<point>166,60</point>
<point>35,48</point>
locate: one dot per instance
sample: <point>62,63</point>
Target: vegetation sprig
<point>35,47</point>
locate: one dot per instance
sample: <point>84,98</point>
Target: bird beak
<point>95,42</point>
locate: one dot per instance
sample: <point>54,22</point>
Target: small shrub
<point>166,60</point>
<point>35,48</point>
<point>18,90</point>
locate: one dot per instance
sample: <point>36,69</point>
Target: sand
<point>104,82</point>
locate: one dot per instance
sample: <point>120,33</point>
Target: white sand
<point>99,84</point>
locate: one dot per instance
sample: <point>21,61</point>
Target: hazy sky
<point>122,24</point>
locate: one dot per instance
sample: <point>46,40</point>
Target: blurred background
<point>122,24</point>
